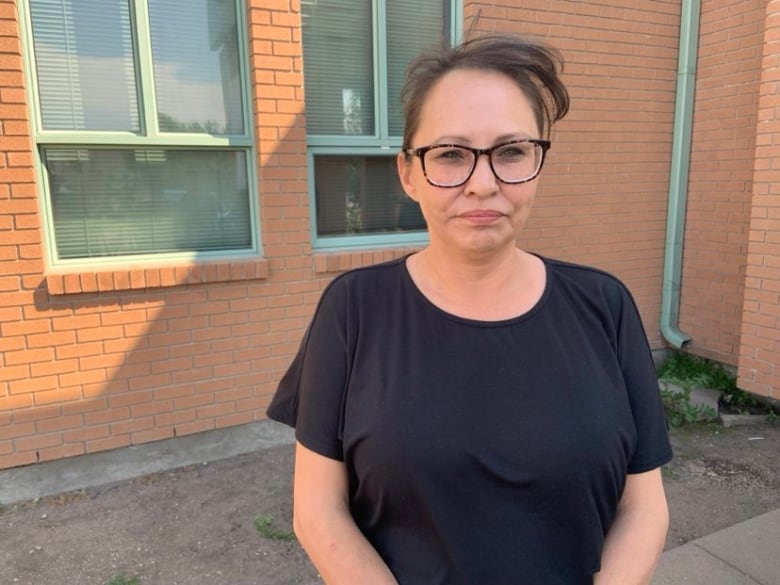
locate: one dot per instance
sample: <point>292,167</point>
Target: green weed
<point>679,408</point>
<point>688,372</point>
<point>266,528</point>
<point>122,580</point>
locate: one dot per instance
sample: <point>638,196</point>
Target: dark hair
<point>533,66</point>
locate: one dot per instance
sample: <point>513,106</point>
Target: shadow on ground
<point>196,525</point>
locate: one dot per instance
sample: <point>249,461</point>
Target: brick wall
<point>759,357</point>
<point>603,194</point>
<point>102,359</point>
<point>721,180</point>
<point>97,360</point>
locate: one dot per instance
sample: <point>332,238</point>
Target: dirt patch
<point>196,525</point>
<point>720,477</point>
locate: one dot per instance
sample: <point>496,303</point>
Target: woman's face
<point>478,109</point>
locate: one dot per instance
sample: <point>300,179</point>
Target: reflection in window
<point>84,64</point>
<point>362,195</point>
<point>119,181</point>
<point>339,67</point>
<point>355,55</point>
<point>196,66</point>
<point>108,202</point>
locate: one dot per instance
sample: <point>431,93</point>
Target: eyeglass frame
<point>477,152</point>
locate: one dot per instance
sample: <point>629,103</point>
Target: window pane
<point>196,66</point>
<point>412,25</point>
<point>140,201</point>
<point>84,61</point>
<point>361,195</point>
<point>338,64</point>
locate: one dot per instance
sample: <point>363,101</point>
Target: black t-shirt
<point>479,452</point>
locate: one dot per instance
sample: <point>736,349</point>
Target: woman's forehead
<point>469,103</point>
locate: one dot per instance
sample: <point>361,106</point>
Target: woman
<point>474,413</point>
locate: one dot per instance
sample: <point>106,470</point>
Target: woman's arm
<point>324,525</point>
<point>636,538</point>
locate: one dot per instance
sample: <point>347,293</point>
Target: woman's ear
<point>404,165</point>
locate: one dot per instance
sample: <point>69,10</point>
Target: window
<point>142,127</point>
<point>355,54</point>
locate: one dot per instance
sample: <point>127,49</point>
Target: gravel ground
<point>196,525</point>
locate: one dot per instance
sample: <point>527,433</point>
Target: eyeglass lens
<point>512,163</point>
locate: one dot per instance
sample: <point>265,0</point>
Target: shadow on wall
<point>152,352</point>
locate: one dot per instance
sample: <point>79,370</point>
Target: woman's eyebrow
<point>452,139</point>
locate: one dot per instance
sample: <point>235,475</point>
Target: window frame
<point>381,143</point>
<point>148,137</point>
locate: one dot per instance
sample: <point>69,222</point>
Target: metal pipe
<point>679,173</point>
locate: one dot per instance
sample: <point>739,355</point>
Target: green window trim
<point>148,138</point>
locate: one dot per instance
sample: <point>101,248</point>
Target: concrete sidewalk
<point>745,554</point>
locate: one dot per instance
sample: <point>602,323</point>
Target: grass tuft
<point>266,528</point>
<point>688,372</point>
<point>122,580</point>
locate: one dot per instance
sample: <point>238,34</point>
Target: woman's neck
<point>497,287</point>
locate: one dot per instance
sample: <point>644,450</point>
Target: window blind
<point>84,63</point>
<point>196,66</point>
<point>109,202</point>
<point>338,66</point>
<point>412,25</point>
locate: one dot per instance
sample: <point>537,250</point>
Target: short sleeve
<point>653,448</point>
<point>310,395</point>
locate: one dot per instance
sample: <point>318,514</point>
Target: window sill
<point>325,262</point>
<point>74,281</point>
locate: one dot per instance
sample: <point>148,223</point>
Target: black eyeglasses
<point>451,165</point>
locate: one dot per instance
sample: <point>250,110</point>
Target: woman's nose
<point>483,181</point>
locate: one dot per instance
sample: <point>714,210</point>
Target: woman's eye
<point>450,154</point>
<point>511,153</point>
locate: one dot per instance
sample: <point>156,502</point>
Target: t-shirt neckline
<point>478,322</point>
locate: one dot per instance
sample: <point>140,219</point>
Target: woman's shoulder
<point>366,282</point>
<point>586,280</point>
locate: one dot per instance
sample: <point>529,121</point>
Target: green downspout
<point>678,175</point>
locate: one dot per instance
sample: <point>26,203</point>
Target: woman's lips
<point>481,216</point>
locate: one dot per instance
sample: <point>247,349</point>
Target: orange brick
<point>17,459</point>
<point>172,419</point>
<point>197,426</point>
<point>18,372</point>
<point>155,434</point>
<point>152,381</point>
<point>78,350</point>
<point>99,333</point>
<point>17,430</point>
<point>43,340</point>
<point>54,367</point>
<point>85,434</point>
<point>58,396</point>
<point>38,441</point>
<point>60,452</point>
<point>32,384</point>
<point>82,377</point>
<point>59,424</point>
<point>14,402</point>
<point>107,444</point>
<point>132,426</point>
